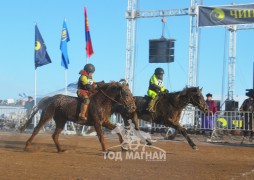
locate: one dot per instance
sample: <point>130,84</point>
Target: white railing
<point>233,120</point>
<point>11,117</point>
<point>195,119</point>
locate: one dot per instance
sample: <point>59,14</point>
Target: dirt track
<point>84,160</point>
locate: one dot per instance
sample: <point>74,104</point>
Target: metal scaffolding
<point>231,61</point>
<point>232,56</point>
<point>133,13</point>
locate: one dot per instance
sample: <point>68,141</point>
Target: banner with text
<point>225,15</point>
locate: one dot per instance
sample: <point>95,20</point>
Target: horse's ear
<point>123,81</point>
<point>201,89</point>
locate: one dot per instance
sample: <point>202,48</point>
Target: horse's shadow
<point>18,146</point>
<point>231,144</point>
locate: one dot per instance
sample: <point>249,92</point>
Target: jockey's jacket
<point>155,86</point>
<point>85,83</point>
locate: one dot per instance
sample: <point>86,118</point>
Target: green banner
<point>225,15</point>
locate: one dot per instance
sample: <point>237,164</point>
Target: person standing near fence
<point>207,120</point>
<point>29,105</point>
<point>248,105</point>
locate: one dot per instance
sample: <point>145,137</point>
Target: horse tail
<point>41,105</point>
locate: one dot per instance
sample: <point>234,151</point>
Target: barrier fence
<point>195,119</point>
<point>12,117</point>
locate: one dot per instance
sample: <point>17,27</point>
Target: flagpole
<point>35,92</point>
<point>87,58</point>
<point>66,79</point>
<point>65,74</point>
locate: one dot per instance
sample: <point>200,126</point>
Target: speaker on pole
<point>161,50</point>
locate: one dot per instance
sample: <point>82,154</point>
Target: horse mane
<point>176,93</point>
<point>111,84</point>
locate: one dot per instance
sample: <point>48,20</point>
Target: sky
<point>108,33</point>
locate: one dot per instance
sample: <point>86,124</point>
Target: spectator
<point>248,105</point>
<point>29,105</point>
<point>207,120</point>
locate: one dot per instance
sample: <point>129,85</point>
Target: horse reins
<point>195,101</point>
<point>111,98</point>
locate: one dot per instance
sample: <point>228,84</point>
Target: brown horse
<point>168,109</point>
<point>62,108</point>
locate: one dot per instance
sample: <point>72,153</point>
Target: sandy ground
<point>84,159</point>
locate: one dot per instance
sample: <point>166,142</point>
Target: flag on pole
<point>41,56</point>
<point>89,47</point>
<point>65,38</point>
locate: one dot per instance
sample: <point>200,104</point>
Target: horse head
<point>121,94</point>
<point>127,98</point>
<point>196,98</point>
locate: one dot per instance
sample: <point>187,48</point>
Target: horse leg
<point>59,127</point>
<point>184,133</point>
<point>111,126</point>
<point>98,129</point>
<point>43,120</point>
<point>135,122</point>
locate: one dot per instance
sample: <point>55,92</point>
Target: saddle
<point>143,104</point>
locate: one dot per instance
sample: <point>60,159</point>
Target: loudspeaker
<point>231,105</point>
<point>161,50</point>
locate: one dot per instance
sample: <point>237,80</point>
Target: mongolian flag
<point>65,38</point>
<point>41,56</point>
<point>89,47</point>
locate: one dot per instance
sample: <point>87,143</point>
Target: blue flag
<point>65,38</point>
<point>41,56</point>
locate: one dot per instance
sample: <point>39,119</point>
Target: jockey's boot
<point>150,107</point>
<point>82,115</point>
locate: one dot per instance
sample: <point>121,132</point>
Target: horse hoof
<point>149,143</point>
<point>195,147</point>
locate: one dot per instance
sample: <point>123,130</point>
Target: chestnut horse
<point>168,109</point>
<point>62,108</point>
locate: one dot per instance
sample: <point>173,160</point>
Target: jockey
<point>86,83</point>
<point>155,87</point>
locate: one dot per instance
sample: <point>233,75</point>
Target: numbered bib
<point>90,81</point>
<point>160,83</point>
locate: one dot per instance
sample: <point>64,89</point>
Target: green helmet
<point>89,68</point>
<point>158,71</point>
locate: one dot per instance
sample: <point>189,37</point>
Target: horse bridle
<point>112,98</point>
<point>195,101</point>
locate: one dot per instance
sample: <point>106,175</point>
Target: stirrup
<point>150,109</point>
